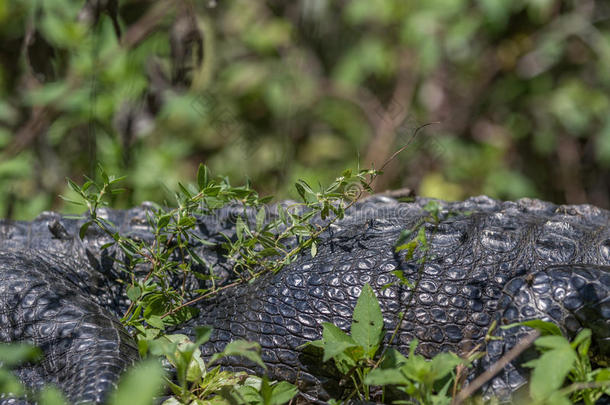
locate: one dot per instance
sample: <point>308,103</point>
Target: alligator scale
<point>487,260</point>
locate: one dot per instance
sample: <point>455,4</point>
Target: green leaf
<point>75,187</point>
<point>315,343</point>
<point>265,391</point>
<point>367,323</point>
<point>187,221</point>
<point>240,228</point>
<point>392,359</point>
<point>421,238</point>
<point>554,342</point>
<point>165,346</point>
<point>334,341</point>
<point>266,199</point>
<point>83,229</point>
<point>400,276</point>
<point>404,236</point>
<point>409,247</point>
<point>557,398</point>
<point>551,368</point>
<point>51,396</point>
<point>184,190</point>
<point>140,384</point>
<point>260,218</point>
<point>282,392</point>
<point>163,220</point>
<point>202,176</point>
<point>314,249</point>
<point>385,377</point>
<point>186,358</point>
<point>602,374</point>
<point>9,384</point>
<point>71,201</point>
<point>333,349</point>
<point>202,334</point>
<point>325,211</point>
<point>134,292</point>
<point>301,191</point>
<point>545,328</point>
<point>13,354</point>
<point>116,180</point>
<point>268,252</point>
<point>281,211</point>
<point>583,339</point>
<point>249,350</point>
<point>331,332</point>
<point>442,364</point>
<point>104,175</point>
<point>155,321</point>
<point>86,186</point>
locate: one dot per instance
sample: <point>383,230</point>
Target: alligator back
<point>486,260</point>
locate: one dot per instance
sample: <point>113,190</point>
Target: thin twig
<point>579,386</point>
<point>407,144</point>
<point>496,367</point>
<point>460,370</point>
<point>195,300</point>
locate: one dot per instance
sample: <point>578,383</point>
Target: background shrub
<point>276,91</point>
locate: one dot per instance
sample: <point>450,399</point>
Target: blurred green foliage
<point>276,91</point>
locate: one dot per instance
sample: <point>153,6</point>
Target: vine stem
<point>201,297</point>
<point>313,236</point>
<point>496,368</point>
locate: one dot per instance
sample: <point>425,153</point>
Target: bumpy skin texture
<point>60,293</point>
<point>487,260</point>
<point>85,346</point>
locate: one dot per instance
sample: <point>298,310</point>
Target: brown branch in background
<point>147,24</point>
<point>28,40</point>
<point>43,116</point>
<point>496,367</point>
<point>39,121</point>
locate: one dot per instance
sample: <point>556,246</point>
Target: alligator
<point>485,261</point>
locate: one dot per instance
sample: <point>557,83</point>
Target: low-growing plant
<point>358,358</point>
<point>355,355</point>
<point>256,249</point>
<point>201,382</point>
<point>563,373</point>
<point>197,382</point>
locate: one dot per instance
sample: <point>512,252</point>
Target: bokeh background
<point>274,91</point>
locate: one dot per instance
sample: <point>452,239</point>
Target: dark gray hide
<point>487,260</point>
